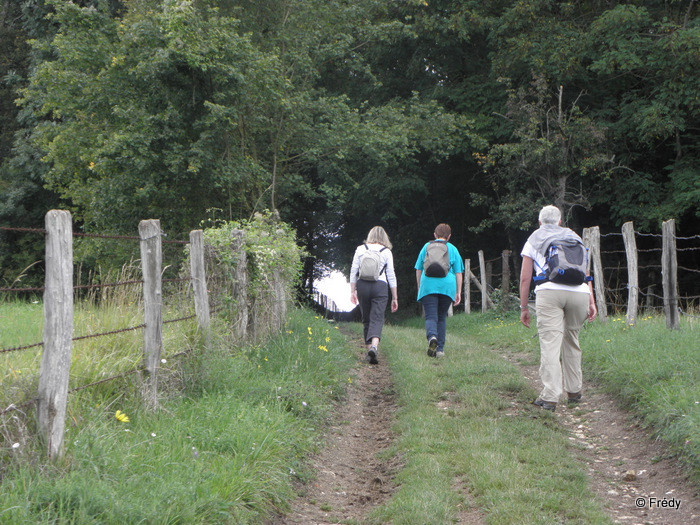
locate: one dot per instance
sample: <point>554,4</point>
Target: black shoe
<point>545,404</point>
<point>432,346</point>
<point>372,355</point>
<point>574,398</point>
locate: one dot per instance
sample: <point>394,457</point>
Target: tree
<point>555,157</point>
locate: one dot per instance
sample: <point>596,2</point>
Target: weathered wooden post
<point>632,272</point>
<point>591,238</point>
<point>484,288</point>
<point>279,298</point>
<point>58,330</point>
<point>489,275</point>
<point>476,282</point>
<point>669,271</point>
<point>151,264</point>
<point>199,283</point>
<point>239,290</point>
<point>467,286</point>
<point>505,283</point>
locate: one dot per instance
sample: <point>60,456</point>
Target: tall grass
<point>655,373</point>
<point>226,450</point>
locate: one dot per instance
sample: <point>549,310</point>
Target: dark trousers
<point>436,307</point>
<point>372,296</point>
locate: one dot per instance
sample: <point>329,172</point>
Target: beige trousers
<point>560,316</point>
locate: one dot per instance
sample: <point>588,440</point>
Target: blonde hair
<point>377,235</point>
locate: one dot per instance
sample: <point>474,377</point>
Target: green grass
<point>466,420</point>
<point>650,370</point>
<point>92,359</point>
<point>236,424</point>
<point>655,373</point>
<point>225,449</point>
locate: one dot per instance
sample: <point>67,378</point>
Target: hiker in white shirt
<point>371,292</point>
<point>561,310</point>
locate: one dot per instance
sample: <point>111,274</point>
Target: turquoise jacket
<point>443,285</point>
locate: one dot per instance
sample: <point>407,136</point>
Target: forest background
<point>343,115</point>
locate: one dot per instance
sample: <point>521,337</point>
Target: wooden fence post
<point>239,289</point>
<point>505,282</point>
<point>54,370</point>
<point>279,305</point>
<point>489,275</point>
<point>484,288</point>
<point>199,283</point>
<point>669,274</point>
<point>632,272</point>
<point>151,263</point>
<point>467,286</point>
<point>591,238</point>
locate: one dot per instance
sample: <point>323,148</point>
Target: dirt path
<point>350,478</point>
<point>631,473</point>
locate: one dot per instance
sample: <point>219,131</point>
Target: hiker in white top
<point>561,311</point>
<point>371,277</point>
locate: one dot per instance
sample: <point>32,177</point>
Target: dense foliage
<point>343,115</point>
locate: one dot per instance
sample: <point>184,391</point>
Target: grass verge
<point>227,451</point>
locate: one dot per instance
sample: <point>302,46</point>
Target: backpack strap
<point>541,276</point>
<point>385,264</point>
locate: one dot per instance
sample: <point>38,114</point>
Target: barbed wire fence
<point>59,292</point>
<point>655,285</point>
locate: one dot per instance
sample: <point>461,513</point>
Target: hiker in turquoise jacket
<point>441,290</point>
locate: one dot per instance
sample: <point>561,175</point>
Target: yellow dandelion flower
<point>121,416</point>
<point>322,347</point>
<point>328,339</point>
<point>309,329</point>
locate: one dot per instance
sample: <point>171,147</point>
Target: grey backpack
<point>566,264</point>
<point>371,264</point>
<point>437,259</point>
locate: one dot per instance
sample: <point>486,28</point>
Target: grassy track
<point>465,421</point>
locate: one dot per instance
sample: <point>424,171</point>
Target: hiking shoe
<point>432,346</point>
<point>574,398</point>
<point>545,404</point>
<point>372,355</point>
<point>439,354</point>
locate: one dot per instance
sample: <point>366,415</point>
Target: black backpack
<point>567,262</point>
